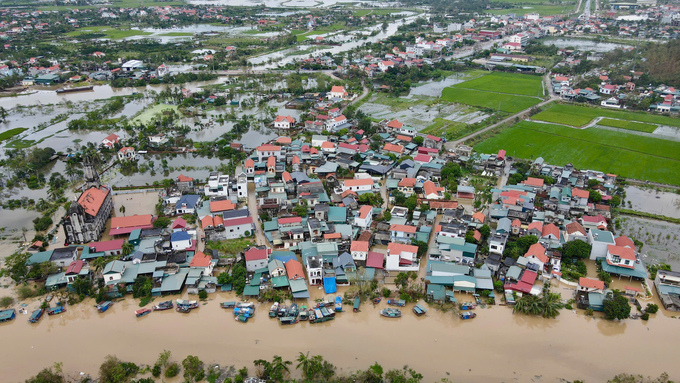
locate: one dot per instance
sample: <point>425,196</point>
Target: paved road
<point>252,208</point>
<point>452,144</point>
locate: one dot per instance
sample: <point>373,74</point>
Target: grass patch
<point>150,113</point>
<point>397,104</point>
<point>178,34</point>
<point>628,155</point>
<point>302,35</point>
<point>507,102</point>
<point>362,12</point>
<point>20,144</point>
<point>11,133</point>
<point>441,126</point>
<point>109,32</point>
<point>230,247</point>
<point>522,84</point>
<point>629,125</point>
<point>579,115</point>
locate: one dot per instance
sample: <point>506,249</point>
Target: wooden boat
<point>183,309</point>
<point>355,306</point>
<point>77,89</point>
<point>318,317</point>
<point>467,315</point>
<point>247,311</point>
<point>338,304</point>
<point>293,311</point>
<point>467,306</point>
<point>419,310</point>
<point>56,310</point>
<point>167,305</point>
<point>102,307</point>
<point>288,320</point>
<point>7,315</point>
<point>36,315</point>
<point>142,312</point>
<point>396,302</point>
<point>188,304</point>
<point>304,314</point>
<point>228,305</point>
<point>390,313</point>
<point>283,310</point>
<point>376,300</point>
<point>274,310</point>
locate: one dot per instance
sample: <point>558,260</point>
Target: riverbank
<point>438,345</point>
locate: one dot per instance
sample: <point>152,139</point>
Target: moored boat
<point>167,305</point>
<point>36,315</point>
<point>77,89</point>
<point>241,318</point>
<point>396,302</point>
<point>390,313</point>
<point>304,313</point>
<point>338,304</point>
<point>247,311</point>
<point>142,312</point>
<point>56,310</point>
<point>187,304</point>
<point>467,315</point>
<point>274,310</point>
<point>6,315</point>
<point>357,302</point>
<point>419,310</point>
<point>228,305</point>
<point>293,311</point>
<point>376,300</point>
<point>102,307</point>
<point>283,310</point>
<point>467,306</point>
<point>288,320</point>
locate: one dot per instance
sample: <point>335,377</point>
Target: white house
<point>621,256</point>
<point>276,268</point>
<point>402,233</point>
<point>332,123</point>
<point>520,38</point>
<point>187,204</point>
<point>574,231</point>
<point>203,262</point>
<point>132,65</point>
<point>242,186</point>
<point>257,258</point>
<point>266,151</point>
<point>590,285</point>
<point>600,240</point>
<point>364,217</point>
<point>284,122</point>
<point>218,185</point>
<point>360,185</point>
<point>536,254</point>
<point>402,257</point>
<point>385,65</point>
<point>110,140</point>
<point>359,250</point>
<point>238,228</point>
<point>432,191</point>
<point>608,89</point>
<point>405,130</point>
<point>318,140</point>
<point>180,240</point>
<point>337,92</point>
<point>158,139</point>
<point>126,153</point>
<point>113,272</point>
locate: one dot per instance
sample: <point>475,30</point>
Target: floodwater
<point>652,201</point>
<point>659,238</point>
<point>496,346</point>
<point>584,45</point>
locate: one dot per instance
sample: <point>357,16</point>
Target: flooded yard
<point>649,200</point>
<point>660,239</point>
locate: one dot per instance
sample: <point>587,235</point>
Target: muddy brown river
<point>496,346</point>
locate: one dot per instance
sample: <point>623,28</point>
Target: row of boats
<point>322,312</point>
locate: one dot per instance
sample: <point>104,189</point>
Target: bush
<point>645,316</point>
<point>202,295</point>
<point>652,308</point>
<point>8,301</point>
<point>568,307</point>
<point>172,370</point>
<point>589,312</point>
<point>156,371</point>
<point>386,292</point>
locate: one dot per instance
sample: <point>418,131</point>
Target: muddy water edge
<point>496,346</point>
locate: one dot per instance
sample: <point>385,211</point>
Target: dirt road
<point>252,208</point>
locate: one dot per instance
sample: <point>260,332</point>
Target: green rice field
<point>501,82</point>
<point>629,125</point>
<point>505,102</point>
<point>11,133</point>
<point>627,155</point>
<point>578,115</point>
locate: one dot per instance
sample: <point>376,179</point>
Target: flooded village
<point>367,185</point>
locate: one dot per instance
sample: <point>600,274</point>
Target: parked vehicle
<point>56,310</point>
<point>167,305</point>
<point>467,315</point>
<point>396,302</point>
<point>102,307</point>
<point>274,310</point>
<point>36,315</point>
<point>142,312</point>
<point>390,313</point>
<point>419,310</point>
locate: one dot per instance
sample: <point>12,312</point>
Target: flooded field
<point>649,200</point>
<point>660,239</point>
<point>439,345</point>
<point>584,45</point>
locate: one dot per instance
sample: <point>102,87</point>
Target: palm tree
<point>551,302</point>
<point>128,248</point>
<point>303,363</point>
<point>279,368</point>
<point>122,210</point>
<point>98,264</point>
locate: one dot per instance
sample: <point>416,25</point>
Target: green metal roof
<point>297,285</point>
<point>174,282</point>
<point>55,280</point>
<point>251,291</point>
<point>337,214</point>
<point>40,257</point>
<point>638,272</point>
<point>280,281</point>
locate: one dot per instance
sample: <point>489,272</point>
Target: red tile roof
<point>116,244</point>
<point>476,235</point>
<point>283,221</point>
<point>393,148</point>
<point>236,221</point>
<point>200,260</point>
<point>359,246</point>
<point>580,193</point>
<point>132,221</point>
<point>538,225</point>
<point>591,283</point>
<point>531,181</point>
<point>332,236</point>
<point>179,222</point>
<point>365,210</point>
<point>183,178</point>
<point>92,199</point>
<point>394,124</point>
<point>284,118</point>
<point>268,148</point>
<point>250,163</point>
<point>538,251</point>
<point>624,241</point>
<point>404,138</point>
<point>398,248</point>
<point>294,270</point>
<point>479,216</point>
<point>623,252</point>
<point>403,228</point>
<point>407,182</point>
<point>254,254</point>
<point>430,188</point>
<point>575,227</point>
<point>375,260</point>
<point>359,182</point>
<point>550,229</point>
<point>207,221</point>
<point>75,267</point>
<point>223,205</point>
<point>529,277</point>
<point>516,223</point>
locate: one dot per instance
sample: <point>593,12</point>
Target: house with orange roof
<point>590,285</point>
<point>284,122</point>
<point>127,153</point>
<point>516,226</point>
<point>536,254</point>
<point>327,147</point>
<point>535,228</point>
<point>219,206</point>
<point>406,185</point>
<point>478,217</point>
<point>249,167</point>
<point>432,191</point>
<point>127,224</point>
<point>594,222</point>
<point>402,257</point>
<point>257,258</point>
<point>624,241</point>
<point>203,262</point>
<point>358,185</point>
<point>266,151</point>
<point>364,217</point>
<point>359,250</point>
<point>337,92</point>
<point>580,196</point>
<point>621,256</point>
<point>394,125</point>
<point>536,183</point>
<point>294,270</point>
<point>394,149</point>
<point>184,183</point>
<point>402,233</point>
<point>574,231</point>
<point>110,140</point>
<point>271,166</point>
<point>207,223</point>
<point>550,233</point>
